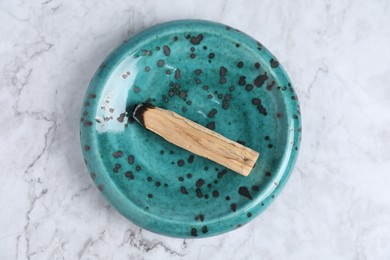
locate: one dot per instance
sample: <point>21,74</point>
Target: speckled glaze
<point>216,76</point>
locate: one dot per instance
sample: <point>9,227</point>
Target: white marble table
<point>337,202</point>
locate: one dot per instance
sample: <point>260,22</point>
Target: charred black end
<point>139,111</point>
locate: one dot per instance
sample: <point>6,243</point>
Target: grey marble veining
<point>337,202</point>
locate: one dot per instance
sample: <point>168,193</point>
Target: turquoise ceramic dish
<point>209,73</point>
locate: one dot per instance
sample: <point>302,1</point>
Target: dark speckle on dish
<point>242,81</point>
<point>204,229</point>
<point>211,125</point>
<point>194,232</point>
<point>221,173</point>
<point>180,163</point>
<point>199,193</point>
<point>222,71</point>
<point>262,109</point>
<point>117,154</point>
<point>130,159</point>
<point>256,101</point>
<point>212,113</point>
<point>243,191</point>
<point>121,117</point>
<point>249,87</point>
<point>260,79</point>
<point>167,50</point>
<point>160,63</point>
<point>270,86</point>
<point>117,167</point>
<point>199,183</point>
<point>191,158</point>
<point>129,175</point>
<point>200,217</point>
<point>183,190</point>
<point>198,71</point>
<point>196,39</point>
<point>274,63</point>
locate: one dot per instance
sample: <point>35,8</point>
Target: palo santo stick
<point>196,138</point>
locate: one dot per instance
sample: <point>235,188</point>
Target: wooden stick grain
<point>196,138</point>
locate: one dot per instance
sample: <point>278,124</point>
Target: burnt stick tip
<point>139,111</point>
